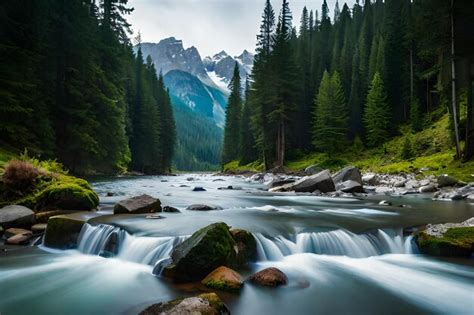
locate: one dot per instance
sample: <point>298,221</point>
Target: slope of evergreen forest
<point>71,89</point>
<point>367,85</point>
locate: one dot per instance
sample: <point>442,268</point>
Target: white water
<point>140,249</point>
<point>337,242</point>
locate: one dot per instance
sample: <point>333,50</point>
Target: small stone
<point>170,209</point>
<point>270,277</point>
<point>197,188</point>
<point>39,228</point>
<point>428,188</point>
<point>384,203</point>
<point>110,194</point>
<point>371,179</point>
<point>19,239</point>
<point>154,216</point>
<point>223,278</point>
<point>400,183</point>
<point>16,231</point>
<point>201,207</point>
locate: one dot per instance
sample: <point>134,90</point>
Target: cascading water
<point>338,242</point>
<point>107,239</point>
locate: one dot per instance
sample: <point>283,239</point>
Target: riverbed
<point>341,255</point>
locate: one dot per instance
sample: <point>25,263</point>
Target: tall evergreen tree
<point>330,115</point>
<point>377,113</point>
<point>248,152</point>
<point>231,150</point>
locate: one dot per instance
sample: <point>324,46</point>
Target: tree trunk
<point>453,77</point>
<point>469,149</point>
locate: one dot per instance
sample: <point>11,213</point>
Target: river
<point>341,255</point>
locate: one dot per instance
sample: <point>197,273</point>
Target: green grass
<point>234,167</point>
<point>432,153</point>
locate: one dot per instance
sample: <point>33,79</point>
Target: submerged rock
<point>63,231</point>
<point>270,277</point>
<point>348,173</point>
<point>385,203</point>
<point>16,216</point>
<point>450,239</point>
<point>207,249</point>
<point>202,207</point>
<point>203,304</point>
<point>138,204</point>
<point>321,181</point>
<point>170,209</point>
<point>223,278</point>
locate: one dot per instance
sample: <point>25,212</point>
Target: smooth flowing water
<point>341,255</point>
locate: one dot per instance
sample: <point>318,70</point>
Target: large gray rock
<point>321,181</point>
<point>138,204</point>
<point>446,180</point>
<point>428,188</point>
<point>203,304</point>
<point>371,179</point>
<point>16,216</point>
<point>348,173</point>
<point>350,186</point>
<point>277,182</point>
<point>312,169</point>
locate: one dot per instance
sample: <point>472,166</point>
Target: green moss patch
<point>455,242</point>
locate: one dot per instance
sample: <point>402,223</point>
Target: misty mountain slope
<point>199,140</point>
<point>202,99</point>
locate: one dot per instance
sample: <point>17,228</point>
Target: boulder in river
<point>246,246</point>
<point>223,278</point>
<point>277,182</point>
<point>198,188</point>
<point>270,277</point>
<point>321,181</point>
<point>348,173</point>
<point>16,216</point>
<point>371,179</point>
<point>446,180</point>
<point>138,204</point>
<point>449,239</point>
<point>350,186</point>
<point>203,304</point>
<point>202,207</point>
<point>63,231</point>
<point>207,249</point>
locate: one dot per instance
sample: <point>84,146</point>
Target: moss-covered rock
<point>457,241</point>
<point>203,304</point>
<point>246,246</point>
<point>70,195</point>
<point>50,189</point>
<point>63,231</point>
<point>207,249</point>
<point>223,278</point>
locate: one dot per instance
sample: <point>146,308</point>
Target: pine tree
<point>330,115</point>
<point>377,113</point>
<point>248,152</point>
<point>231,150</point>
<point>282,59</point>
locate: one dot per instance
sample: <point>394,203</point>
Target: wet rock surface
<point>203,304</point>
<point>138,204</point>
<point>269,277</point>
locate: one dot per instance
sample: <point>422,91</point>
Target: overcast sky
<point>210,25</point>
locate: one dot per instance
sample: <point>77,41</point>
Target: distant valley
<point>198,88</point>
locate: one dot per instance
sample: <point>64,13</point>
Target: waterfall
<point>108,240</point>
<point>338,242</point>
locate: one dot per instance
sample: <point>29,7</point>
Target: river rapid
<point>341,255</point>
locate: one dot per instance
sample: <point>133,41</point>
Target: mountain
<point>203,99</point>
<point>221,66</point>
<point>199,92</point>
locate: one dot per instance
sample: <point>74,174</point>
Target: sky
<point>210,25</point>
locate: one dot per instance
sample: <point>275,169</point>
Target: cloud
<point>209,25</point>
